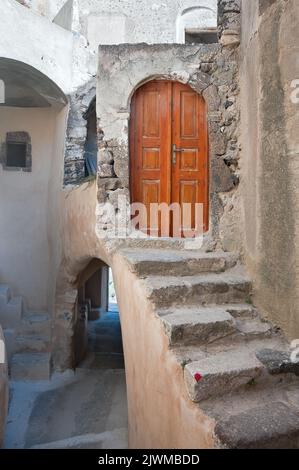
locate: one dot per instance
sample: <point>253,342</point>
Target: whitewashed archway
<point>196,18</point>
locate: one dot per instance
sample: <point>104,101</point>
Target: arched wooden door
<point>169,147</point>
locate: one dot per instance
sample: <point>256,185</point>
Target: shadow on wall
<point>91,142</point>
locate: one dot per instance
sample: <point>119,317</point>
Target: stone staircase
<point>235,366</point>
<point>28,338</point>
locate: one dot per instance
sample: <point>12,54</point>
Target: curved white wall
<point>34,40</point>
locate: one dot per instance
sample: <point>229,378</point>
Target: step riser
<point>23,346</point>
<point>197,334</point>
<point>179,268</point>
<point>11,315</point>
<point>5,296</point>
<point>217,385</point>
<point>36,373</point>
<point>38,329</point>
<point>28,367</point>
<point>201,294</point>
<point>193,336</point>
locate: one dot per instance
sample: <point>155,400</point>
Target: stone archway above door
<point>210,70</point>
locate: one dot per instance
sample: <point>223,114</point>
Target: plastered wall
<point>270,148</point>
<point>24,215</point>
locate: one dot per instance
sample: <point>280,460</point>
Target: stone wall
<point>212,70</point>
<point>110,22</point>
<point>270,148</point>
<point>151,21</point>
<point>74,167</point>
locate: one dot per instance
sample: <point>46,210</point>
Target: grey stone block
<point>220,374</point>
<point>277,362</point>
<point>271,426</point>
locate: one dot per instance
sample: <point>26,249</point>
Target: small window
<point>201,37</point>
<point>16,154</point>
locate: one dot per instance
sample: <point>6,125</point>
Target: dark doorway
<point>98,329</point>
<point>91,143</point>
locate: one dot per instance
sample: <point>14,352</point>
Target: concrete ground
<point>82,409</point>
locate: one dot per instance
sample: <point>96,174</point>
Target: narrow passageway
<point>82,409</point>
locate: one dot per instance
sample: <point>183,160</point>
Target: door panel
<point>190,162</point>
<point>164,115</point>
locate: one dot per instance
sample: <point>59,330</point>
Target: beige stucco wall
<point>76,244</point>
<point>161,415</point>
<point>269,157</point>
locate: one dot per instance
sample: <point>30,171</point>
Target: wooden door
<point>168,148</point>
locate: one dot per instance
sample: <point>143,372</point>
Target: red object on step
<point>198,377</point>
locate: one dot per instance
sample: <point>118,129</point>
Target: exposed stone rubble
<point>74,167</point>
<point>236,366</point>
<point>27,336</point>
<point>212,70</point>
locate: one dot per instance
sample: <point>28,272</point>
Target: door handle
<point>175,150</point>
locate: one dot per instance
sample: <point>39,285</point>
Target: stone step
<point>221,374</point>
<point>205,289</point>
<point>186,354</point>
<point>203,244</point>
<point>241,311</point>
<point>11,312</point>
<point>5,294</point>
<point>254,328</point>
<point>274,425</point>
<point>30,366</point>
<point>36,324</point>
<point>177,263</point>
<point>197,325</point>
<point>32,343</point>
<point>10,342</point>
<point>152,243</point>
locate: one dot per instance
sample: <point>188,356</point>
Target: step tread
<point>149,262</point>
<point>186,354</point>
<point>33,337</point>
<point>156,255</point>
<point>195,315</point>
<point>254,327</point>
<point>30,366</point>
<point>225,361</point>
<point>16,300</point>
<point>36,317</point>
<point>271,425</point>
<point>157,282</point>
<point>33,358</point>
<point>237,311</point>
